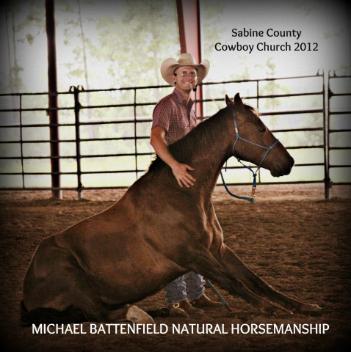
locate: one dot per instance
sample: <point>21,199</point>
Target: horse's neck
<point>208,159</point>
<point>206,177</point>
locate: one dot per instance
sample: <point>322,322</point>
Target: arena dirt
<point>292,237</point>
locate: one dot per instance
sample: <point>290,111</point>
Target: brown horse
<point>157,232</point>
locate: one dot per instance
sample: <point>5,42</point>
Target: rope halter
<point>267,150</point>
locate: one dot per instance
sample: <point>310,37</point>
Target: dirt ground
<point>291,237</point>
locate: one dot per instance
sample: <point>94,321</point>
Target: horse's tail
<point>51,315</point>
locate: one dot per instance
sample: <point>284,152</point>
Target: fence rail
<point>325,93</point>
<point>331,115</point>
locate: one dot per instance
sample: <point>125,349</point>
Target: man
<point>173,118</point>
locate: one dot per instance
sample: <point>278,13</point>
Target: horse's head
<point>254,142</point>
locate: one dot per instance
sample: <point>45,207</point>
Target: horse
<point>158,231</point>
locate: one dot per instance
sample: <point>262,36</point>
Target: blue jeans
<point>188,286</point>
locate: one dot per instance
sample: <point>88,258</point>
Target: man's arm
<point>180,171</point>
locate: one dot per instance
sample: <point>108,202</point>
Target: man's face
<point>185,78</point>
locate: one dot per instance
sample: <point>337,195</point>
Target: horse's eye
<point>260,126</point>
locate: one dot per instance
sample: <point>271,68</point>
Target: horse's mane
<point>248,107</point>
<point>202,134</point>
<point>254,117</point>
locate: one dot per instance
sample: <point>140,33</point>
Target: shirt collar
<point>180,98</point>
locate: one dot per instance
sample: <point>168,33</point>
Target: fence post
<point>77,107</point>
<point>135,134</point>
<point>52,111</point>
<point>258,109</point>
<point>326,136</point>
<point>21,140</point>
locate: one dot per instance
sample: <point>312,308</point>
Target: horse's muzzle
<point>283,168</point>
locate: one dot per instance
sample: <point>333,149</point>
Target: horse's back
<point>108,258</point>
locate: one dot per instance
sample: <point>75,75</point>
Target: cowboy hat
<point>169,66</point>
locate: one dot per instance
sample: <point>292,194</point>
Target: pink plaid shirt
<point>175,115</point>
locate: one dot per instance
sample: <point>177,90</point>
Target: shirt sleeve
<point>162,115</point>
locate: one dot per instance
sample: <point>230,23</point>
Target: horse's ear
<point>228,101</point>
<point>237,99</point>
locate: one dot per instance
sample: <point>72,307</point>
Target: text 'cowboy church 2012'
<point>273,41</point>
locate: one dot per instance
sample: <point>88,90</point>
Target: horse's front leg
<point>203,262</point>
<point>239,270</point>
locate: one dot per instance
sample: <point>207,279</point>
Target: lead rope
<point>219,295</point>
<point>251,198</point>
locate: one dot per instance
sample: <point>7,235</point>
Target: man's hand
<point>180,171</point>
<point>183,177</point>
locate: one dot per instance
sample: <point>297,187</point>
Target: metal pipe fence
<point>336,129</point>
<point>12,119</point>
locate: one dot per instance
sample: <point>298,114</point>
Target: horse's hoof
<point>138,316</point>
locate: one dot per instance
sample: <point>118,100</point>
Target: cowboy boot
<point>175,310</point>
<point>183,309</point>
<point>190,309</point>
<point>205,302</point>
<point>137,315</point>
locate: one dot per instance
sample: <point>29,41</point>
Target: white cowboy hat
<point>170,65</point>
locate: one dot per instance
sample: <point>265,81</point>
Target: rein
<point>254,173</point>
